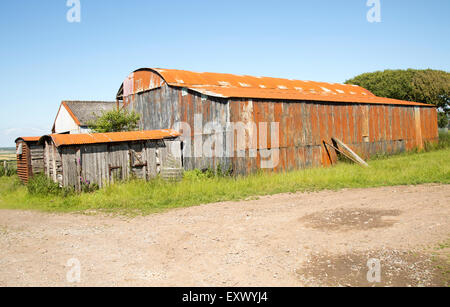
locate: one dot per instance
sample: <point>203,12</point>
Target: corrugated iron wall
<point>24,162</point>
<point>166,106</point>
<point>368,129</point>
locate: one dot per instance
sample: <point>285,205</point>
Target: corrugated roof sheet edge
<point>111,137</point>
<point>28,139</point>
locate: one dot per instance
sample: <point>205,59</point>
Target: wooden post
<point>47,158</point>
<point>55,178</point>
<point>418,127</point>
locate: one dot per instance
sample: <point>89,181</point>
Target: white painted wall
<point>65,123</point>
<point>84,129</point>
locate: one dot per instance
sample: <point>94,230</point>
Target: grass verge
<point>140,197</point>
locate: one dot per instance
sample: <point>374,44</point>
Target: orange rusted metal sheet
<point>28,138</point>
<point>235,86</point>
<point>112,137</point>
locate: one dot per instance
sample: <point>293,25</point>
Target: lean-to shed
<point>103,158</point>
<point>30,157</point>
<point>308,114</point>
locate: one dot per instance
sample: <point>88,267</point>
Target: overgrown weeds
<point>9,170</point>
<point>201,187</point>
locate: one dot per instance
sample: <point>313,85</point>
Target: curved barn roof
<point>237,86</point>
<point>28,139</point>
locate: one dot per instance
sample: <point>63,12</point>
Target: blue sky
<point>44,59</point>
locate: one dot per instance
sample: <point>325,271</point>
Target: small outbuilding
<point>30,157</point>
<point>74,160</point>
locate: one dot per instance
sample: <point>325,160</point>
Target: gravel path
<point>322,238</point>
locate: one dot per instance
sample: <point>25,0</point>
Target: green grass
<point>140,197</point>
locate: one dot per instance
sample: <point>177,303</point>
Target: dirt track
<point>300,239</point>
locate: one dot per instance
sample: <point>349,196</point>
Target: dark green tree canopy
<point>115,121</point>
<point>425,86</point>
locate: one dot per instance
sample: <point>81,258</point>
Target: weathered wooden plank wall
<point>369,129</point>
<point>103,164</point>
<point>37,158</point>
<point>161,108</point>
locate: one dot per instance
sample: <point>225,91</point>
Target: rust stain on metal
<point>111,137</point>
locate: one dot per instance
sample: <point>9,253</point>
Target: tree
<point>115,121</point>
<point>425,86</point>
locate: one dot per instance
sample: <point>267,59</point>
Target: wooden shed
<point>73,160</point>
<point>30,157</point>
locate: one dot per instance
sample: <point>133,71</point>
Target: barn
<point>288,122</point>
<point>74,160</point>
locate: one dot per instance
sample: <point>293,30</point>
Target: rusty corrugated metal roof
<point>111,137</point>
<point>28,139</point>
<point>295,95</point>
<point>236,86</point>
<point>182,78</point>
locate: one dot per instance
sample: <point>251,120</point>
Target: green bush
<point>115,121</point>
<point>42,185</point>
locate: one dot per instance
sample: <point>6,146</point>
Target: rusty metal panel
<point>315,129</point>
<point>323,124</point>
<point>411,128</point>
<point>401,130</point>
<point>434,124</point>
<point>396,124</point>
<point>23,162</point>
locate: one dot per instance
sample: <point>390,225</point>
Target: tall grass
<point>444,142</point>
<point>9,170</point>
<point>142,197</point>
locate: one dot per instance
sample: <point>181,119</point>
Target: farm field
<point>7,154</point>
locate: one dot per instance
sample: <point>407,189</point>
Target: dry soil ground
<point>311,239</point>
